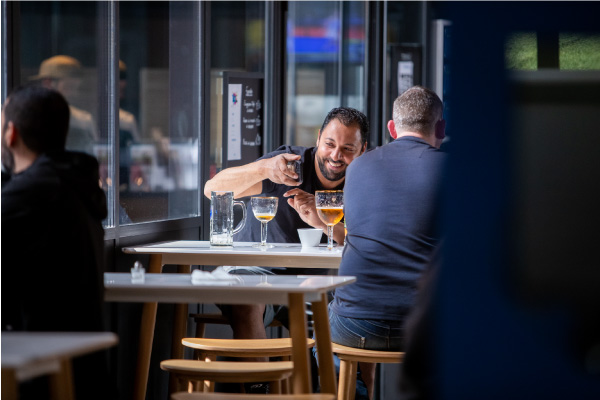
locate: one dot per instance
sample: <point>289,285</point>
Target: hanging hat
<point>58,67</point>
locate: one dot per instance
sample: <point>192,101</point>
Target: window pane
<point>325,64</point>
<point>579,51</point>
<point>158,111</point>
<point>58,50</point>
<point>521,51</point>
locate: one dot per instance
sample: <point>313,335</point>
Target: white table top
<point>195,252</point>
<point>241,289</point>
<point>32,354</point>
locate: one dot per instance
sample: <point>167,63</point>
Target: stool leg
<point>275,387</point>
<point>200,329</point>
<point>347,385</point>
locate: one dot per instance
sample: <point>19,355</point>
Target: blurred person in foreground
<point>52,242</point>
<point>390,205</point>
<point>341,139</point>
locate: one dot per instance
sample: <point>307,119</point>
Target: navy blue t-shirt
<point>283,228</point>
<point>390,202</point>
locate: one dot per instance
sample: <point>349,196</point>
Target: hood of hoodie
<point>52,174</point>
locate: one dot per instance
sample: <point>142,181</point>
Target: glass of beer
<point>264,209</point>
<point>330,207</point>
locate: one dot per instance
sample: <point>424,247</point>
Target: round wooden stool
<point>209,349</point>
<point>188,371</point>
<point>349,359</point>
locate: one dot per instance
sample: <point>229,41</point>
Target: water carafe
<point>221,218</point>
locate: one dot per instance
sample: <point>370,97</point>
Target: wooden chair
<point>208,350</point>
<point>231,396</point>
<point>349,359</point>
<point>186,372</point>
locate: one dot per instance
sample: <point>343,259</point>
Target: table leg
<point>146,337</point>
<point>323,342</point>
<point>10,386</point>
<point>179,330</point>
<point>61,383</point>
<point>301,380</point>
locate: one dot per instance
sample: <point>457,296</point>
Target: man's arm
<point>246,180</point>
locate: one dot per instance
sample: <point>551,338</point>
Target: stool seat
<point>349,359</point>
<point>279,347</point>
<point>233,396</point>
<point>229,371</point>
<point>363,355</point>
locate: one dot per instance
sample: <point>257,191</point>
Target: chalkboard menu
<point>243,100</point>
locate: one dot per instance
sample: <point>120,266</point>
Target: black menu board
<point>243,99</point>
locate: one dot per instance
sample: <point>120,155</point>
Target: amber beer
<point>330,215</point>
<point>264,217</point>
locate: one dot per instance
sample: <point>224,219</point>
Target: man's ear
<point>364,148</point>
<point>440,129</point>
<point>392,128</point>
<point>318,137</point>
<point>11,134</point>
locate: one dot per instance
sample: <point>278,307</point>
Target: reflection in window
<point>158,123</point>
<point>158,118</point>
<point>58,51</point>
<point>325,64</point>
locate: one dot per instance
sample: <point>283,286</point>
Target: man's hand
<point>276,169</point>
<point>304,204</point>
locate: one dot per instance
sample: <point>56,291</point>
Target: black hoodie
<point>52,245</point>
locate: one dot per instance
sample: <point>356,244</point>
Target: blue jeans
<point>366,333</point>
<point>363,334</point>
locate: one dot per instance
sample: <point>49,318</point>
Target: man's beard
<point>330,176</point>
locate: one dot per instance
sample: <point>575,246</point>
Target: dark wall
<point>490,342</point>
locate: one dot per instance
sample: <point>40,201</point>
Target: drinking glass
<point>264,209</point>
<point>330,207</point>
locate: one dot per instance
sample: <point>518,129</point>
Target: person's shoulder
<point>38,184</point>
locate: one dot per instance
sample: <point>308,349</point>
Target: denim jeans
<point>363,334</point>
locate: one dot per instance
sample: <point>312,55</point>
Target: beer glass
<point>330,207</point>
<point>264,209</point>
<point>221,218</point>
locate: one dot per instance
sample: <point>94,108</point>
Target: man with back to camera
<point>342,138</point>
<point>390,206</point>
<point>53,239</point>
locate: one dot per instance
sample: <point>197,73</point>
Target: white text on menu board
<point>252,122</point>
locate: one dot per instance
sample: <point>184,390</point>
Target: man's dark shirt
<point>283,228</point>
<point>390,205</point>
